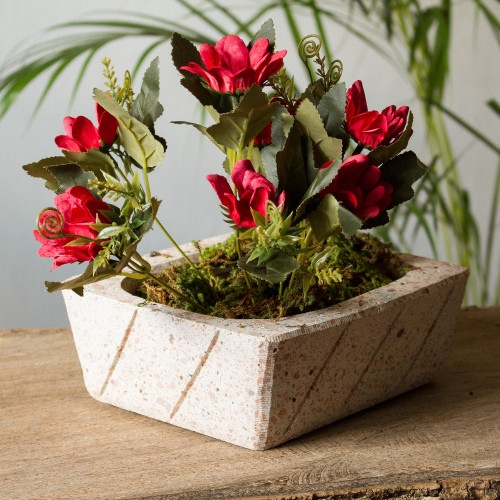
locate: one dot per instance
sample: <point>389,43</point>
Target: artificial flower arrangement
<point>308,171</point>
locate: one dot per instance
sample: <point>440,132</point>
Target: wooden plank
<point>57,442</point>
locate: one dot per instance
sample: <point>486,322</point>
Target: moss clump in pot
<point>353,266</point>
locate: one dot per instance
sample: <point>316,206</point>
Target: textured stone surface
<point>259,383</point>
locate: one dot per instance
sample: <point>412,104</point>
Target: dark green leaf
<point>291,169</point>
<point>282,121</point>
<point>331,108</point>
<point>238,127</point>
<point>71,175</point>
<point>92,161</point>
<point>265,31</point>
<point>39,170</point>
<point>146,106</point>
<point>326,148</point>
<point>381,154</point>
<point>381,220</point>
<point>325,219</point>
<point>348,221</point>
<point>402,171</point>
<point>147,214</point>
<point>275,270</point>
<point>184,52</point>
<point>322,180</point>
<point>203,130</point>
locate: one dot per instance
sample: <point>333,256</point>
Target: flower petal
<point>258,51</point>
<point>209,55</point>
<point>85,133</point>
<point>68,143</point>
<point>234,53</point>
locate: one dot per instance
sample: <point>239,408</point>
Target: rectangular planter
<point>259,383</point>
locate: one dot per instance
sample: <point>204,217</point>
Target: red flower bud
<point>254,190</point>
<point>82,135</point>
<point>357,186</point>
<point>372,128</point>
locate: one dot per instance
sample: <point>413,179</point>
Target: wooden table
<point>57,442</point>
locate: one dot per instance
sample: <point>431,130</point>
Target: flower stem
<point>186,258</point>
<point>358,149</point>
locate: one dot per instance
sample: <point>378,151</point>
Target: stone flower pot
<point>259,383</point>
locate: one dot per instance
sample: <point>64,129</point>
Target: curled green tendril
<point>335,71</point>
<point>52,225</point>
<point>309,48</point>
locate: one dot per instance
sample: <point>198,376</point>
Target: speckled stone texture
<point>259,383</point>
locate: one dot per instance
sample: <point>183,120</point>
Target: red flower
<point>230,66</point>
<point>253,189</point>
<point>357,186</point>
<point>78,209</point>
<point>264,137</point>
<point>82,135</point>
<point>372,128</point>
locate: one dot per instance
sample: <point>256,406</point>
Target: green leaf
<point>111,231</point>
<point>325,219</point>
<point>323,179</point>
<point>259,219</point>
<point>146,214</point>
<point>275,270</point>
<point>89,276</point>
<point>39,170</point>
<point>402,171</point>
<point>281,124</point>
<point>325,148</point>
<point>265,31</point>
<point>72,175</point>
<point>238,127</point>
<point>291,168</point>
<point>136,183</point>
<point>77,242</point>
<point>203,130</point>
<point>135,137</point>
<point>93,161</point>
<point>307,281</point>
<point>146,106</point>
<point>348,221</point>
<point>331,108</point>
<point>381,154</point>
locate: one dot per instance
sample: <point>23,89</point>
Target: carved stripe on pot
<point>191,381</point>
<point>370,363</point>
<point>118,353</point>
<point>311,387</point>
<point>427,337</point>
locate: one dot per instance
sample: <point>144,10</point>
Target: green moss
<point>363,261</point>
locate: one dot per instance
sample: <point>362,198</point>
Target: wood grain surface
<point>442,440</point>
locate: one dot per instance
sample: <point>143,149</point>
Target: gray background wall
<point>190,207</point>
